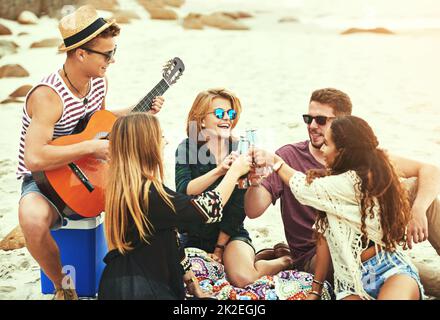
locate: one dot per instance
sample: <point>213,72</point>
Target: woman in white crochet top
<point>362,218</point>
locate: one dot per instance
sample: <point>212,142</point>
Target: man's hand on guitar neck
<point>157,104</point>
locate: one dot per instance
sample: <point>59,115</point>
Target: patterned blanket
<point>286,285</point>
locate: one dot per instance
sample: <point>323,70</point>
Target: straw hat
<point>80,27</point>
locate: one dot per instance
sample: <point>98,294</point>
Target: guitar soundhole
<point>102,135</point>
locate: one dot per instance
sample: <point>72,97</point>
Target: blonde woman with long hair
<point>144,259</point>
<point>202,160</point>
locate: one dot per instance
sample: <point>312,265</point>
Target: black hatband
<point>70,41</point>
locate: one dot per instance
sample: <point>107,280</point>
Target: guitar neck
<point>145,104</point>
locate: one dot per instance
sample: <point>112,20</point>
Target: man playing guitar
<point>53,108</point>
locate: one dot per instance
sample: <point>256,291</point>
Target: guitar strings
<point>158,90</point>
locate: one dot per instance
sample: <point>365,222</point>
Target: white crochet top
<point>337,196</point>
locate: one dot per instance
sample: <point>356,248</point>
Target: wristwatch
<point>277,166</point>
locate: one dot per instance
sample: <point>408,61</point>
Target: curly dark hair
<point>358,151</point>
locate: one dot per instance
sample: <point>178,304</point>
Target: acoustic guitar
<point>78,188</point>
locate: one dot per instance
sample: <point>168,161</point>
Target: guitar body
<point>63,187</point>
<point>78,188</point>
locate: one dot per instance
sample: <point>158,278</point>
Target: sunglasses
<point>108,55</point>
<point>220,113</point>
<point>321,120</point>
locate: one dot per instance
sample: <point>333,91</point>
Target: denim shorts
<point>377,270</point>
<point>243,239</point>
<point>191,241</point>
<point>30,186</point>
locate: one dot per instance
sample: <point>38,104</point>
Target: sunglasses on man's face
<point>108,55</point>
<point>321,120</point>
<point>220,113</point>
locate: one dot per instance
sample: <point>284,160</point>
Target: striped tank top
<point>73,111</point>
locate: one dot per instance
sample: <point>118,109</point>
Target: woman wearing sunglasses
<point>202,160</point>
<point>363,215</point>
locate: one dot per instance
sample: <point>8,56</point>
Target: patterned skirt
<point>286,285</point>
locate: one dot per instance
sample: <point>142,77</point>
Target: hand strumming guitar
<point>100,149</point>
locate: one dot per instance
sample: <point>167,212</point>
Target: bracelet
<point>220,246</point>
<point>315,293</point>
<point>277,166</point>
<point>318,282</point>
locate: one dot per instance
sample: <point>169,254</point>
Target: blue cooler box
<point>82,248</point>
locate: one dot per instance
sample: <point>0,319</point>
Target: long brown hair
<point>358,150</point>
<point>202,103</point>
<point>135,164</point>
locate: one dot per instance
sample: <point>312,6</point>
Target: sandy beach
<point>273,67</point>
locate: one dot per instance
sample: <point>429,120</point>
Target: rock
<point>13,70</point>
<point>238,15</point>
<point>288,20</point>
<point>21,92</point>
<point>12,100</point>
<point>47,43</point>
<point>221,21</point>
<point>125,16</point>
<point>55,8</point>
<point>7,289</point>
<point>174,3</point>
<point>4,31</point>
<point>13,240</point>
<point>162,14</point>
<point>361,30</point>
<point>121,19</point>
<point>152,4</point>
<point>7,47</point>
<point>11,9</point>
<point>193,21</point>
<point>27,17</point>
<point>108,5</point>
<point>157,10</point>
